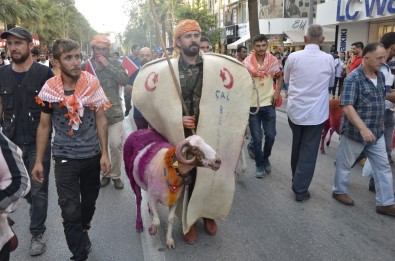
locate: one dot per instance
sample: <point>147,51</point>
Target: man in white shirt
<point>309,73</point>
<point>43,59</point>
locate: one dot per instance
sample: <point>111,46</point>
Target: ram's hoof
<point>152,230</point>
<point>170,243</point>
<point>139,229</point>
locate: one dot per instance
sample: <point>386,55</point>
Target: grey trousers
<point>305,144</point>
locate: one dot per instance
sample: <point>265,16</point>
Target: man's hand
<point>105,165</point>
<point>101,60</point>
<point>38,173</point>
<point>367,135</point>
<point>189,122</point>
<point>275,98</point>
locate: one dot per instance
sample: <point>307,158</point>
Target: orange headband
<point>100,39</point>
<point>184,26</point>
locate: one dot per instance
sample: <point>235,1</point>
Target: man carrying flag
<point>110,73</point>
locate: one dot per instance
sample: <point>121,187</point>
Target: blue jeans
<point>347,153</point>
<point>388,130</point>
<point>38,195</point>
<point>262,123</point>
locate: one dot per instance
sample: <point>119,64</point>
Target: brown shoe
<point>210,226</point>
<point>343,198</point>
<point>191,237</point>
<point>386,210</point>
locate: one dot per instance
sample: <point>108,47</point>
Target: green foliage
<point>49,19</point>
<point>13,12</point>
<point>198,12</point>
<point>141,29</point>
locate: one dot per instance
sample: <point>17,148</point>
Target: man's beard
<point>188,52</point>
<point>21,59</point>
<point>72,76</point>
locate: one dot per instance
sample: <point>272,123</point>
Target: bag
<point>14,240</point>
<point>344,73</point>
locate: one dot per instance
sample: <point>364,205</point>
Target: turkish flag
<point>129,66</point>
<point>89,68</point>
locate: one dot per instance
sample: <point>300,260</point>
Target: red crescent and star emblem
<point>151,78</point>
<point>227,78</point>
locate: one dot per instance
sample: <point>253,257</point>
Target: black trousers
<point>339,80</point>
<point>78,185</point>
<point>305,144</point>
<point>128,102</point>
<point>5,252</point>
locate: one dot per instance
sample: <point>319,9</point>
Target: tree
<point>49,19</point>
<point>253,17</point>
<point>142,29</point>
<point>13,12</point>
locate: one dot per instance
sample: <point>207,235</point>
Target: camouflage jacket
<point>111,77</point>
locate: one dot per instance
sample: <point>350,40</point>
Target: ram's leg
<point>325,130</point>
<point>331,131</point>
<point>155,217</point>
<point>169,235</point>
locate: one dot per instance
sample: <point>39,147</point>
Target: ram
<point>158,167</point>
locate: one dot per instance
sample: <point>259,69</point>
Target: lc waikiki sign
<point>356,9</point>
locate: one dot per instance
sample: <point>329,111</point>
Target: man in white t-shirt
<point>309,73</point>
<point>42,58</point>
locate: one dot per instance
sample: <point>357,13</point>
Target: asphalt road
<point>265,222</point>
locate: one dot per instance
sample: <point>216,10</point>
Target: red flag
<point>129,66</point>
<point>89,68</point>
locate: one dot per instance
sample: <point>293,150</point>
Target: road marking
<point>152,245</point>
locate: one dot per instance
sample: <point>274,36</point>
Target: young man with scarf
<point>74,103</point>
<point>263,67</point>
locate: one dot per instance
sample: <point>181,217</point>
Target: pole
<point>311,11</point>
<point>173,74</point>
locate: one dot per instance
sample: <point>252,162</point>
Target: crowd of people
<point>70,109</point>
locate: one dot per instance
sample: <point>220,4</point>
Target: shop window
<point>383,29</point>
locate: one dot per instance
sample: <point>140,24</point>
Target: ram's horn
<point>180,146</point>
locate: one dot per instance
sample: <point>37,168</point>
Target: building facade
<point>364,20</point>
<point>283,21</point>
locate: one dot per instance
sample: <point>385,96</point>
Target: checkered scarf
<point>87,93</point>
<point>269,68</point>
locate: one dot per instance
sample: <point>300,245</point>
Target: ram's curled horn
<point>180,146</point>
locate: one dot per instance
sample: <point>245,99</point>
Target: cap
<point>19,32</point>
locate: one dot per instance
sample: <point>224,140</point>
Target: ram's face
<point>204,155</point>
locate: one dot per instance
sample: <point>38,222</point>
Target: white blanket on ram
<point>224,111</point>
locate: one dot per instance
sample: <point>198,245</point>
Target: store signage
<point>353,11</point>
<point>343,40</point>
<point>299,24</point>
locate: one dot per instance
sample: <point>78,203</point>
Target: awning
<point>240,41</point>
<point>297,37</point>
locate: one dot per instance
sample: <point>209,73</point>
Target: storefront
<point>365,21</point>
<point>243,34</point>
<point>287,34</point>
